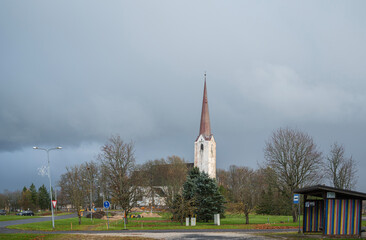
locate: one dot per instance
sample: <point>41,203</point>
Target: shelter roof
<point>321,191</point>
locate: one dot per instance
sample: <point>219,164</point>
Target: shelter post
<point>303,215</point>
<point>324,211</point>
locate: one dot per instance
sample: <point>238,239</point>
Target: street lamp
<point>91,196</point>
<point>49,176</point>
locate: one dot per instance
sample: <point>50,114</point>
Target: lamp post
<point>91,196</point>
<point>49,176</point>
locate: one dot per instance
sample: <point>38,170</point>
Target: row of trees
<point>28,198</point>
<point>292,161</point>
<point>116,177</point>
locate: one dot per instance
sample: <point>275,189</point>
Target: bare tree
<point>174,178</point>
<point>118,162</point>
<point>14,199</point>
<point>149,174</point>
<point>73,187</point>
<point>340,170</point>
<point>103,184</point>
<point>294,157</point>
<point>183,208</point>
<point>166,176</point>
<point>90,173</point>
<point>245,187</point>
<point>3,201</point>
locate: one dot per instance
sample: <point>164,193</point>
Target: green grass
<point>230,222</point>
<point>14,217</point>
<point>61,225</point>
<point>25,236</point>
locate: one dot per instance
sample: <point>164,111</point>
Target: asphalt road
<point>33,220</point>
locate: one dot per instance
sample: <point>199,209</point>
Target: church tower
<point>205,145</point>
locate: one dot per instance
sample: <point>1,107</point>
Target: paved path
<point>191,235</point>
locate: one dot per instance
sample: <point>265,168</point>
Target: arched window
<point>201,146</point>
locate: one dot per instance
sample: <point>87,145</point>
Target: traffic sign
<point>296,198</point>
<point>54,202</point>
<point>106,204</point>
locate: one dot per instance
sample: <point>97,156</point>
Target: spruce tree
<point>203,190</point>
<point>43,198</point>
<point>34,195</point>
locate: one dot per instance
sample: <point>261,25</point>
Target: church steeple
<point>205,127</point>
<point>205,145</point>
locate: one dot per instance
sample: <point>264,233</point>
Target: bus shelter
<point>332,211</point>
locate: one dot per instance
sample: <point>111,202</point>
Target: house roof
<point>321,191</point>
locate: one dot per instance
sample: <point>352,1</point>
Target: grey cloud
<point>73,73</point>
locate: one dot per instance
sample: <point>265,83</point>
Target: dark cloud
<point>74,73</point>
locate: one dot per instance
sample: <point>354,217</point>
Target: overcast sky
<point>75,72</point>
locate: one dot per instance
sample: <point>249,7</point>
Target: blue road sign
<point>296,198</point>
<point>106,204</point>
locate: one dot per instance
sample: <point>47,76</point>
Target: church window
<point>201,146</point>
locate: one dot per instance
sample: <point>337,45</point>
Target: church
<point>205,145</point>
<point>204,159</point>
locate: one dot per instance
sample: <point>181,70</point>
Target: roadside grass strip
<point>25,236</point>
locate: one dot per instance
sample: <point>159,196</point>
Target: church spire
<point>205,128</point>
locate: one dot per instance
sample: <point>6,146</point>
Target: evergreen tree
<point>265,203</point>
<point>34,195</point>
<point>204,195</point>
<point>43,198</point>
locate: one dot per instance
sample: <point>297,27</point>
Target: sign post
<point>297,201</point>
<point>106,204</point>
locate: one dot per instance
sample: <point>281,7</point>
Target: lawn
<point>61,225</point>
<point>147,223</point>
